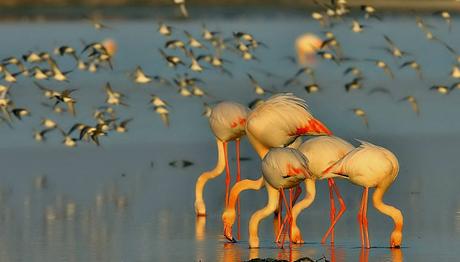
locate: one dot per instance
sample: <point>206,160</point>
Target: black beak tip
<point>232,240</point>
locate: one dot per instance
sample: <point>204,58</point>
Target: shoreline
<point>21,10</point>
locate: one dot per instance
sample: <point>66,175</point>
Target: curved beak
<point>228,234</point>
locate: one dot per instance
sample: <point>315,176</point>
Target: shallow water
<point>109,203</point>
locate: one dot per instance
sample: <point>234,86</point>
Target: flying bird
<point>362,114</point>
<point>413,102</point>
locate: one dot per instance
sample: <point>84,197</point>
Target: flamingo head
<point>228,218</point>
<point>396,239</point>
<point>200,208</point>
<point>296,236</point>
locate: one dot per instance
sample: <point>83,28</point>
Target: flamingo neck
<point>388,210</point>
<point>260,148</point>
<point>218,169</point>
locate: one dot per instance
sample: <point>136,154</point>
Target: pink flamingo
<point>282,168</point>
<point>371,166</point>
<point>227,121</point>
<point>320,152</point>
<point>277,122</point>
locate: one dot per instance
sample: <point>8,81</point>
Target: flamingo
<point>306,46</point>
<point>371,166</point>
<point>277,122</point>
<point>282,168</point>
<point>321,152</point>
<point>227,121</point>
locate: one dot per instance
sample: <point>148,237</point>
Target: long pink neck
<point>394,213</point>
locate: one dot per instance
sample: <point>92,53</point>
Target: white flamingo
<point>282,168</point>
<point>227,121</point>
<point>277,122</point>
<point>321,152</point>
<point>371,166</point>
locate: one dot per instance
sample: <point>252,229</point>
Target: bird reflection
<point>457,221</point>
<point>200,228</point>
<point>231,253</point>
<point>395,254</point>
<point>364,255</point>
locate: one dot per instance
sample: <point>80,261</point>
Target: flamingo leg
<point>360,219</point>
<point>341,211</point>
<point>238,178</point>
<point>277,219</point>
<point>287,219</point>
<point>330,182</point>
<point>366,231</point>
<point>227,174</point>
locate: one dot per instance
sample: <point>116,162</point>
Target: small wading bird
<point>413,103</point>
<point>415,66</point>
<point>371,166</point>
<point>277,122</point>
<point>362,114</point>
<point>227,122</point>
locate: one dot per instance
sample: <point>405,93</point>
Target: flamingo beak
<point>228,234</point>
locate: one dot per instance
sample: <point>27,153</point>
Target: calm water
<point>110,203</point>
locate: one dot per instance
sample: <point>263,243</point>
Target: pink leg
<point>366,231</point>
<point>238,178</point>
<point>360,219</point>
<point>341,211</point>
<point>330,182</point>
<point>227,174</point>
<point>277,219</point>
<point>287,219</point>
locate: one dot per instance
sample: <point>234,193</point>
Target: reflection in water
<point>231,253</point>
<point>457,221</point>
<point>200,228</point>
<point>364,255</point>
<point>200,235</point>
<point>339,255</point>
<point>396,255</point>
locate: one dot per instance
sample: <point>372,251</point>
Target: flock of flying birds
<point>193,54</point>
